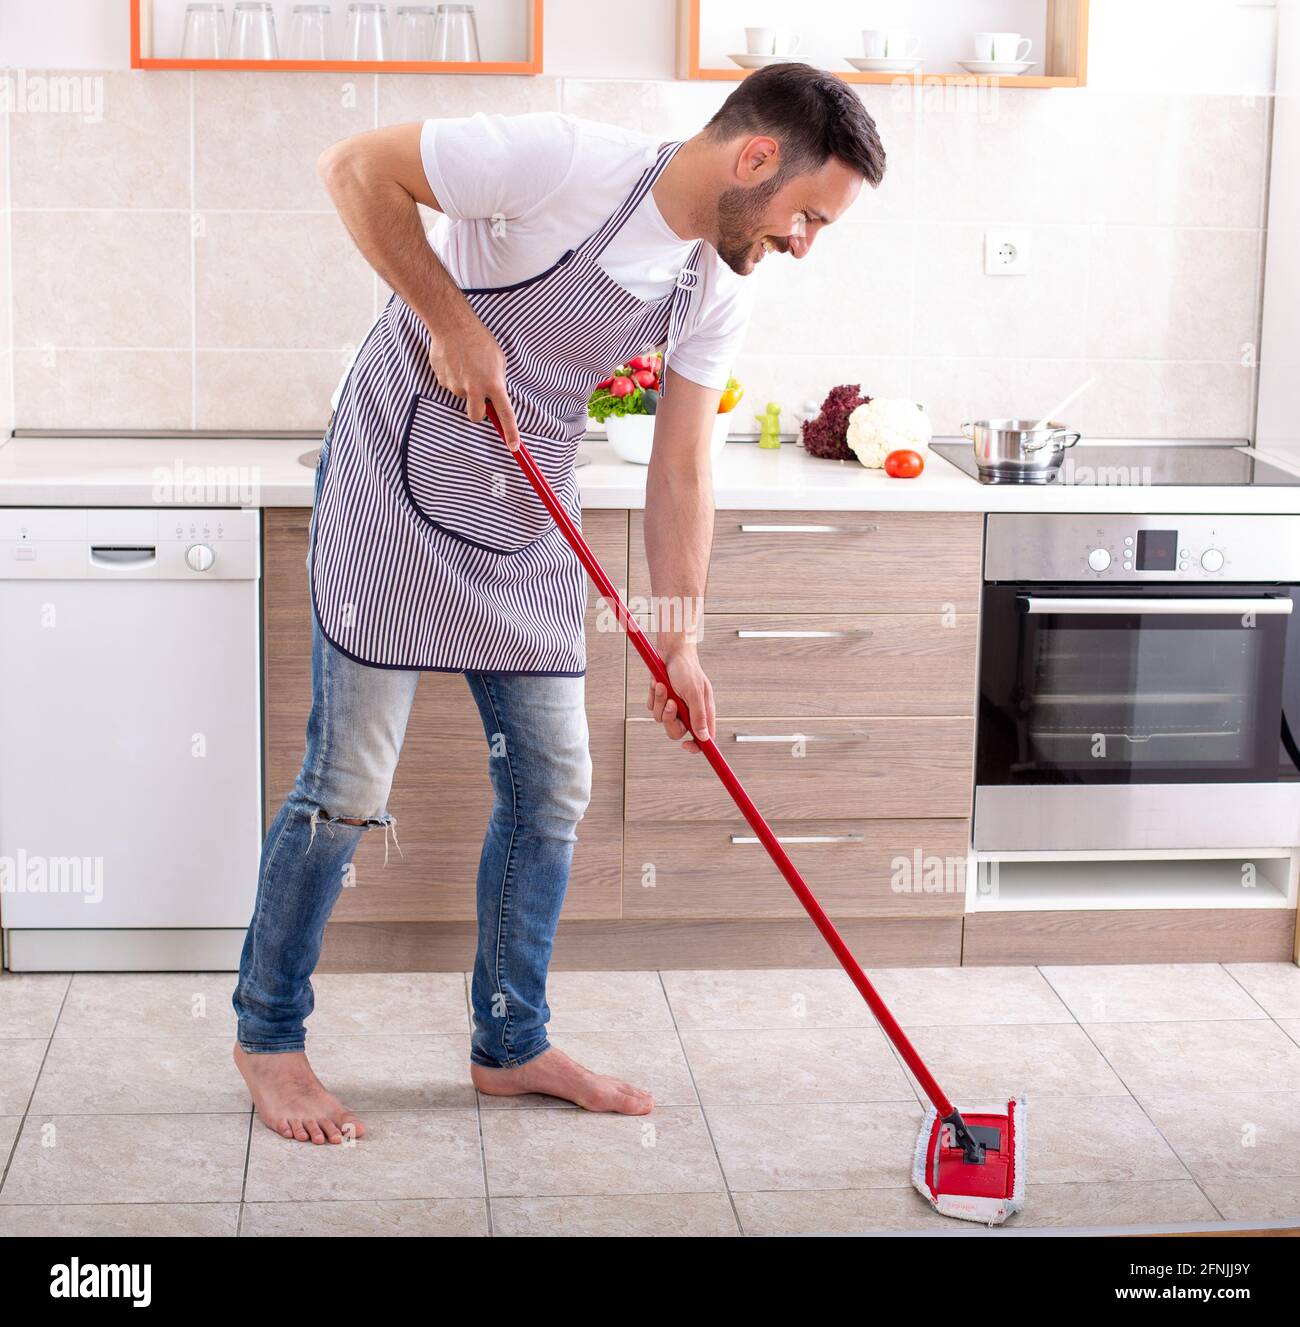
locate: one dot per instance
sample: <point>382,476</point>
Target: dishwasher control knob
<point>1099,559</point>
<point>1212,560</point>
<point>200,557</point>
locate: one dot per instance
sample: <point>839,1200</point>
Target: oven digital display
<point>1157,550</point>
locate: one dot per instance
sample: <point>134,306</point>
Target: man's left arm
<point>678,536</point>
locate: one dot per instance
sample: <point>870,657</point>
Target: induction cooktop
<point>1140,465</point>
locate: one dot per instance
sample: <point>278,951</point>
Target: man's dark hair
<point>812,114</point>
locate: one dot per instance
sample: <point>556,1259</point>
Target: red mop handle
<point>714,756</point>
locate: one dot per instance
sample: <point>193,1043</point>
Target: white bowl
<point>631,436</point>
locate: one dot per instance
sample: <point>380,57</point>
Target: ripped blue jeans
<point>536,752</point>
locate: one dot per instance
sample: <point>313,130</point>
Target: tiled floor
<point>1156,1095</point>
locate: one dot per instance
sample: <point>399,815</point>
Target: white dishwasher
<point>130,737</point>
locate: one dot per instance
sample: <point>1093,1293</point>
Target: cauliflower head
<point>885,425</point>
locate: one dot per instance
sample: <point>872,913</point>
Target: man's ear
<point>759,160</point>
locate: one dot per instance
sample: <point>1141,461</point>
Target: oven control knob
<point>1099,559</point>
<point>200,557</point>
<point>1212,560</point>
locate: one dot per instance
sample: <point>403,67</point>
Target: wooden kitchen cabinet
<point>826,665</point>
<point>441,795</point>
<point>836,562</point>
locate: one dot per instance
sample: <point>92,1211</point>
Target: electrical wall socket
<point>1006,252</point>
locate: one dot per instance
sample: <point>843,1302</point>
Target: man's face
<point>780,215</point>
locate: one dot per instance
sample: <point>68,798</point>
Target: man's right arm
<point>376,180</point>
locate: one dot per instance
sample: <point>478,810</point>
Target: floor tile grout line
<point>1268,1013</point>
<point>24,1114</point>
<point>243,1183</point>
<point>704,1115</point>
<point>465,978</point>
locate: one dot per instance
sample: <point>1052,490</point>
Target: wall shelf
<point>142,56</point>
<point>1066,64</point>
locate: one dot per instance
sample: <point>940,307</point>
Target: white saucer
<point>997,66</point>
<point>758,61</point>
<point>884,64</point>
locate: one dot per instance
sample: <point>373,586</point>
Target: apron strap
<point>594,245</point>
<point>688,279</point>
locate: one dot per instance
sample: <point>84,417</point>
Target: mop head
<point>988,1193</point>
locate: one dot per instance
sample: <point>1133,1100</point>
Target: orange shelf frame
<point>1067,55</point>
<point>533,65</point>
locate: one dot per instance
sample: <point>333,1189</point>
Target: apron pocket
<point>462,479</point>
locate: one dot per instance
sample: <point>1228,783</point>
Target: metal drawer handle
<point>743,839</point>
<point>785,739</point>
<point>744,633</point>
<point>1102,607</point>
<point>808,529</point>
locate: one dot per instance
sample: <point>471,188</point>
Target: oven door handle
<point>1101,607</point>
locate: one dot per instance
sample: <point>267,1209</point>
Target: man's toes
<point>352,1127</point>
<point>314,1131</point>
<point>283,1128</point>
<point>299,1132</point>
<point>332,1131</point>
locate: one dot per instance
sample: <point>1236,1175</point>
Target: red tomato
<point>621,386</point>
<point>904,464</point>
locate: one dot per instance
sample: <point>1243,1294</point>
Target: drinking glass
<point>415,29</point>
<point>205,32</point>
<point>367,32</point>
<point>456,37</point>
<point>252,35</point>
<point>309,32</point>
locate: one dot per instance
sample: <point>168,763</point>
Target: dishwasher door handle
<point>125,557</point>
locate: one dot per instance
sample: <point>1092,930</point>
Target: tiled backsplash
<point>177,264</point>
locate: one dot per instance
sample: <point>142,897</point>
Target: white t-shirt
<point>550,181</point>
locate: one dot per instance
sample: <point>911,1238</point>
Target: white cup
<point>771,41</point>
<point>1004,47</point>
<point>889,43</point>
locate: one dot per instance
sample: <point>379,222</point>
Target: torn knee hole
<point>382,821</point>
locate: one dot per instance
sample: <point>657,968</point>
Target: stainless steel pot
<point>1019,450</point>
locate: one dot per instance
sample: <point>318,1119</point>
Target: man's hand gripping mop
<point>967,1165</point>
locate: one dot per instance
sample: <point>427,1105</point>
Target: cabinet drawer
<point>858,868</point>
<point>814,769</point>
<point>828,562</point>
<point>826,665</point>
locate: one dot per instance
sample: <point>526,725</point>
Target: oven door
<point>1158,684</point>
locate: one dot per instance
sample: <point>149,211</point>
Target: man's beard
<point>739,216</point>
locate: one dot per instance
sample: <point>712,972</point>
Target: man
<point>563,248</point>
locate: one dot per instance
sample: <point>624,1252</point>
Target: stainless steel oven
<point>1139,683</point>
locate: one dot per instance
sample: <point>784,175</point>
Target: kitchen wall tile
<point>405,97</point>
<point>137,154</point>
<point>799,383</point>
<point>280,281</point>
<point>662,109</point>
<point>955,389</point>
<point>234,386</point>
<point>1176,160</point>
<point>849,295</point>
<point>257,136</point>
<point>110,279</point>
<point>6,393</point>
<point>895,112</point>
<point>998,155</point>
<point>1169,400</point>
<point>111,389</point>
<point>1197,296</point>
<point>960,311</point>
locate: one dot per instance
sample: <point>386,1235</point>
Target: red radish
<point>621,387</point>
<point>604,384</point>
<point>645,378</point>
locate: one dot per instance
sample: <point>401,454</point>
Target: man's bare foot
<point>555,1075</point>
<point>291,1101</point>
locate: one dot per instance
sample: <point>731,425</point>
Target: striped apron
<point>430,548</point>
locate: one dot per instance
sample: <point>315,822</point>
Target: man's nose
<point>801,243</point>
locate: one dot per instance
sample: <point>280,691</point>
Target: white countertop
<point>265,472</point>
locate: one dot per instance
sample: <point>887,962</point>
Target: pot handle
<point>1072,439</point>
<point>964,427</point>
